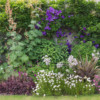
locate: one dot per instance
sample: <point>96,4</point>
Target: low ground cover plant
<point>21,85</point>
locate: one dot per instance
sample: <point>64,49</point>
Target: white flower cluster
<point>57,81</point>
<point>74,81</point>
<point>50,78</point>
<point>95,55</point>
<point>46,59</point>
<point>59,65</point>
<point>72,61</point>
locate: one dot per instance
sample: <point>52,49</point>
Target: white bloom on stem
<point>96,55</point>
<point>42,71</point>
<point>44,95</point>
<point>37,93</point>
<point>67,70</point>
<point>59,65</point>
<point>46,59</point>
<point>72,61</point>
<point>93,54</point>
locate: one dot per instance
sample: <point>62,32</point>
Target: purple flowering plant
<point>85,36</point>
<point>52,22</point>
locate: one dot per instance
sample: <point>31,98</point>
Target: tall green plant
<point>32,39</point>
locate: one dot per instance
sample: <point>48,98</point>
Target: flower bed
<point>49,48</point>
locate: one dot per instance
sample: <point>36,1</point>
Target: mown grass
<point>90,97</point>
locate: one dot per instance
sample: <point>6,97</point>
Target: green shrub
<point>32,40</point>
<point>95,33</point>
<point>56,52</point>
<point>82,50</point>
<point>3,26</point>
<point>82,12</point>
<point>21,13</point>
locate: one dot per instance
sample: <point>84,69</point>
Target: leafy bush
<point>57,53</point>
<point>82,12</point>
<point>17,54</point>
<point>21,13</point>
<point>3,18</point>
<point>50,83</point>
<point>20,85</point>
<point>32,40</point>
<point>82,50</point>
<point>20,52</point>
<point>95,30</point>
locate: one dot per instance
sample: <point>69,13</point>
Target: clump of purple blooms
<point>51,16</point>
<point>69,46</point>
<point>84,35</point>
<point>60,33</point>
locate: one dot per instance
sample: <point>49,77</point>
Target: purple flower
<point>69,50</point>
<point>47,28</point>
<point>44,33</point>
<point>57,32</point>
<point>36,27</point>
<point>58,12</point>
<point>88,34</point>
<point>68,44</point>
<point>75,37</point>
<point>93,41</point>
<point>49,18</point>
<point>84,41</point>
<point>51,10</point>
<point>84,28</point>
<point>70,16</point>
<point>57,35</point>
<point>62,35</point>
<point>62,17</point>
<point>39,22</point>
<point>19,73</point>
<point>42,19</point>
<point>97,45</point>
<point>69,47</point>
<point>47,12</point>
<point>35,75</point>
<point>66,35</point>
<point>52,14</point>
<point>60,32</point>
<point>70,33</point>
<point>81,36</point>
<point>48,23</point>
<point>55,17</point>
<point>61,43</point>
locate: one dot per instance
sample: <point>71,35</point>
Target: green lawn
<point>91,97</point>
